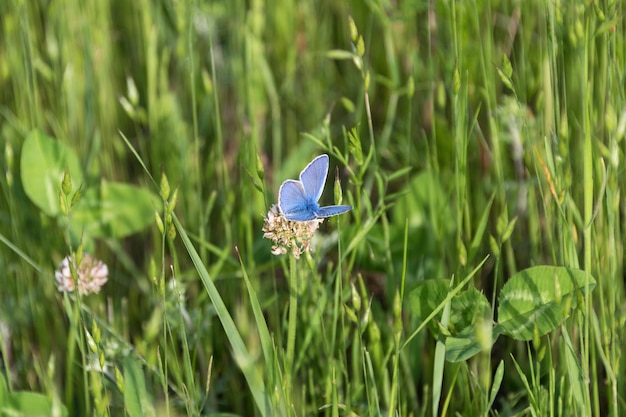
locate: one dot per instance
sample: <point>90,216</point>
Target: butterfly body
<point>298,200</point>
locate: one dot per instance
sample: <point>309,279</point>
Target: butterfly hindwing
<point>290,195</point>
<point>329,211</point>
<point>293,202</point>
<point>303,215</point>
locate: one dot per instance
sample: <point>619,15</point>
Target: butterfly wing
<point>313,177</point>
<point>329,211</point>
<point>293,202</point>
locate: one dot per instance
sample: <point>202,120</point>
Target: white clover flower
<point>289,236</point>
<point>92,275</point>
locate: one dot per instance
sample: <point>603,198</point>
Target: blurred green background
<point>457,130</point>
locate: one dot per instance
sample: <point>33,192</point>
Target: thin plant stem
<point>292,321</point>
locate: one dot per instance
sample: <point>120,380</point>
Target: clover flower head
<point>287,235</point>
<point>92,274</point>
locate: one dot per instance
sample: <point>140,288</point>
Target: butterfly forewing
<point>313,177</point>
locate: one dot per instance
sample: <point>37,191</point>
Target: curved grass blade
<point>240,353</point>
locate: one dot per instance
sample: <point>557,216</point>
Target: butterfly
<point>297,200</point>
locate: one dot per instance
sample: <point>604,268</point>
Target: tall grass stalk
<point>294,285</point>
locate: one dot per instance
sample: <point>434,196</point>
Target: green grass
<point>474,140</point>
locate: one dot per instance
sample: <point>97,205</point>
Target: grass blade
<point>240,352</point>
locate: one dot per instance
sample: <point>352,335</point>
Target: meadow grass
<point>473,139</point>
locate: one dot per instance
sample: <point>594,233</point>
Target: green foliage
<point>113,210</point>
<point>533,302</point>
<point>537,300</point>
<point>466,307</point>
<point>31,404</point>
<point>43,164</point>
<point>25,403</point>
<point>110,210</point>
<point>480,144</point>
<point>137,401</point>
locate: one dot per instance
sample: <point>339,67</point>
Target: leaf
<point>114,210</point>
<point>495,386</point>
<point>539,299</point>
<point>340,54</point>
<point>136,399</point>
<point>426,297</point>
<point>462,347</point>
<point>480,230</point>
<point>267,345</point>
<point>439,361</point>
<point>509,230</point>
<point>399,173</point>
<point>574,373</point>
<point>43,163</point>
<point>31,404</point>
<point>347,104</point>
<point>355,145</point>
<point>465,307</point>
<point>4,393</point>
<point>465,344</point>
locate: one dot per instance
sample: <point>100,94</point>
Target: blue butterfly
<point>297,200</point>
